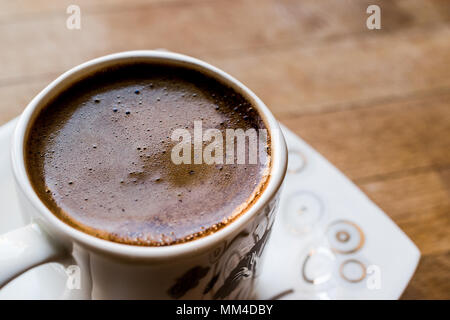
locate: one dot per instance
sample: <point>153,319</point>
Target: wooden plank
<point>395,12</point>
<point>298,80</point>
<point>420,204</point>
<point>382,139</point>
<point>445,177</point>
<point>346,73</point>
<point>210,28</point>
<point>431,279</point>
<point>34,9</point>
<point>314,78</point>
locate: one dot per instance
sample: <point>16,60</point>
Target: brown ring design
<point>342,236</point>
<point>324,279</point>
<point>298,170</point>
<point>363,267</point>
<point>361,234</point>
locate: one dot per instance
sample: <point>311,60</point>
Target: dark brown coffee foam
<point>99,156</point>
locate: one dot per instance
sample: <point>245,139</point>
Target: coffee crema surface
<point>99,155</point>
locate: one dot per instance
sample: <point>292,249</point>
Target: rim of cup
<point>53,223</point>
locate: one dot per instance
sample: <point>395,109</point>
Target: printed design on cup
<point>187,281</point>
<point>234,265</point>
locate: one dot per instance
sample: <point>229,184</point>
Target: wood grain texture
<point>419,203</point>
<point>431,278</point>
<point>381,139</point>
<point>316,78</point>
<point>375,103</point>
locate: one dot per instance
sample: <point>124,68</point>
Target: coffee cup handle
<point>24,248</point>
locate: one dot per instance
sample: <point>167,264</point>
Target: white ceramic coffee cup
<point>222,265</point>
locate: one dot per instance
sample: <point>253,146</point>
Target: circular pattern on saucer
<point>296,162</point>
<point>352,270</point>
<point>302,211</point>
<point>345,236</point>
<point>318,266</point>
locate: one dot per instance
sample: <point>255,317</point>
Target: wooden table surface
<point>376,103</point>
